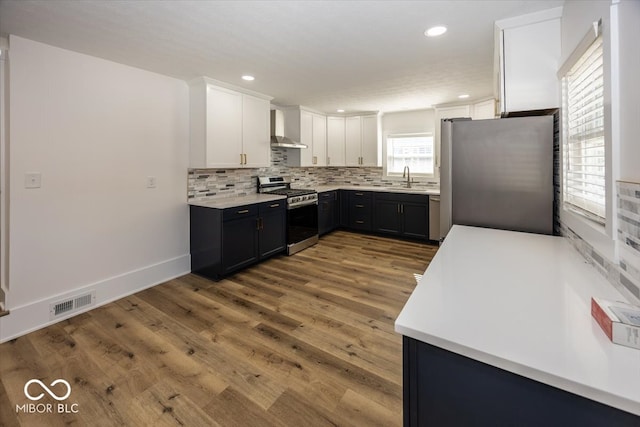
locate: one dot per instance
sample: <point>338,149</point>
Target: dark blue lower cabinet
<point>328,211</point>
<point>442,388</point>
<point>226,240</point>
<point>402,215</point>
<point>272,236</point>
<point>239,243</point>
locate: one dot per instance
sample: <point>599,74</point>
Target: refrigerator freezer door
<point>502,174</point>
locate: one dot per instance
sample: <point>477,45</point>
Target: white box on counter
<point>619,321</point>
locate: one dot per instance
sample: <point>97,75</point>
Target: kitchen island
<point>499,332</point>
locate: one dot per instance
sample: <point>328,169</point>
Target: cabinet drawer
<point>276,205</point>
<point>360,195</point>
<point>239,212</point>
<point>328,195</point>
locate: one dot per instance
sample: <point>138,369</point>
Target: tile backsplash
<point>206,184</point>
<point>629,235</point>
<point>625,273</point>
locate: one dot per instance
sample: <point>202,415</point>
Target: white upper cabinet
<point>529,55</point>
<point>336,141</point>
<point>319,140</point>
<point>353,140</point>
<point>256,139</point>
<point>369,141</point>
<point>310,129</point>
<point>361,140</point>
<point>229,128</point>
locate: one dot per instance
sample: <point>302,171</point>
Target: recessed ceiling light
<point>248,78</point>
<point>435,31</point>
<point>340,111</point>
<point>463,96</point>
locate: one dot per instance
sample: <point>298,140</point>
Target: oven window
<point>302,223</point>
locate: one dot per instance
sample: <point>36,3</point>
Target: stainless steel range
<point>302,211</point>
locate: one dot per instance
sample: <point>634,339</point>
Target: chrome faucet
<point>407,174</point>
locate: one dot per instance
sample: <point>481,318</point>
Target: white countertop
<point>413,190</point>
<point>233,202</point>
<point>521,302</point>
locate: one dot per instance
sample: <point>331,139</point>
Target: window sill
<point>591,232</point>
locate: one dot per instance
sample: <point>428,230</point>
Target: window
<point>413,150</point>
<point>584,135</point>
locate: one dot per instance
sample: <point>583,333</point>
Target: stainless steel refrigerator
<point>497,173</point>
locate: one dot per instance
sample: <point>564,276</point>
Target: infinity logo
<point>47,389</point>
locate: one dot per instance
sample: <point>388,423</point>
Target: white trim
<point>613,162</point>
<point>34,316</point>
<point>4,168</point>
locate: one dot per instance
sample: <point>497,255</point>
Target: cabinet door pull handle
<point>275,205</point>
<point>261,223</point>
<point>398,208</point>
<point>359,222</point>
<point>243,211</point>
<point>359,194</point>
<point>328,161</point>
<point>401,209</point>
<point>241,159</point>
<point>359,206</point>
<point>245,159</point>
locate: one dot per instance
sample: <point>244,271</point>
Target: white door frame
<point>4,169</point>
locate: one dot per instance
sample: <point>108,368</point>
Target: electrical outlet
<point>151,182</point>
<point>33,180</point>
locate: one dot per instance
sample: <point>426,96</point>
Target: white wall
<point>577,17</point>
<point>95,130</point>
<point>415,121</point>
<point>629,67</point>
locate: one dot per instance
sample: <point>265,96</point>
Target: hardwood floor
<point>305,340</point>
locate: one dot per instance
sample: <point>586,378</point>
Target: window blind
<point>584,147</point>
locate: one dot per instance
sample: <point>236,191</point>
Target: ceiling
<point>353,55</point>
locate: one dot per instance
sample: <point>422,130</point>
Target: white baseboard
<point>33,316</point>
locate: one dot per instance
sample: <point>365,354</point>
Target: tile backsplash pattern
<point>629,235</point>
<point>624,274</point>
<point>206,184</point>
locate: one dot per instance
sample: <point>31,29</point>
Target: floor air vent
<point>71,305</point>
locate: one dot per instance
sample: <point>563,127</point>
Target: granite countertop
<point>521,302</point>
<point>232,202</point>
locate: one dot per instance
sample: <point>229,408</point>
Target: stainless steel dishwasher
<point>434,217</point>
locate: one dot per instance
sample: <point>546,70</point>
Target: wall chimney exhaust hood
<point>277,132</point>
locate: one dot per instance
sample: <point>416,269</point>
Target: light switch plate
<point>33,180</point>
